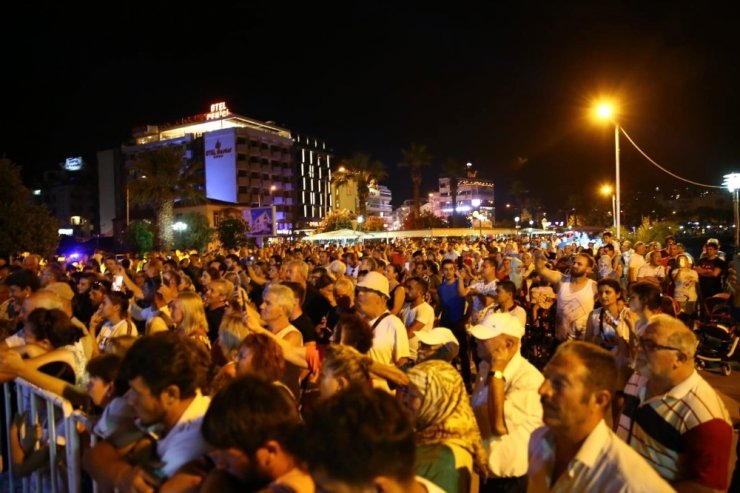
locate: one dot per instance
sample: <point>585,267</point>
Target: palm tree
<point>455,171</point>
<point>364,171</point>
<point>415,158</point>
<point>158,177</point>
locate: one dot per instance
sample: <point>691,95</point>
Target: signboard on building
<point>73,163</point>
<point>261,221</point>
<point>221,165</point>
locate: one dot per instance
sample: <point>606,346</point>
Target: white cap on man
<point>496,324</point>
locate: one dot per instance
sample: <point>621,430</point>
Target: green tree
<point>232,232</point>
<point>364,171</point>
<point>139,236</point>
<point>454,170</point>
<point>25,226</point>
<point>336,219</point>
<point>160,176</point>
<point>415,158</point>
<point>424,220</point>
<point>198,233</point>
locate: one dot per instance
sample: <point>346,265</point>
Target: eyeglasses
<point>650,346</point>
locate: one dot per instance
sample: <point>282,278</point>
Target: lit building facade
<point>378,199</point>
<point>473,194</point>
<point>313,161</point>
<point>67,193</point>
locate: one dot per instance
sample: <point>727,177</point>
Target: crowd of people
<point>390,367</point>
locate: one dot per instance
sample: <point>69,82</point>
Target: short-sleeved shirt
<point>684,434</point>
<point>507,454</point>
<point>711,285</point>
<point>424,313</point>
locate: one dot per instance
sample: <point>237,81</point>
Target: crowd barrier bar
<point>30,395</point>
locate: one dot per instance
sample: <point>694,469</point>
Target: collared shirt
<point>604,463</point>
<point>685,434</point>
<point>184,441</point>
<point>507,454</point>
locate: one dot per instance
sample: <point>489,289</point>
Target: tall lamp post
<point>607,190</point>
<point>605,111</point>
<point>732,182</point>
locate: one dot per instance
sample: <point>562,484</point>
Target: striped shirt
<point>685,434</point>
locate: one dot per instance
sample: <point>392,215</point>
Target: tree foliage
<point>25,226</point>
<point>363,171</point>
<point>374,223</point>
<point>415,158</point>
<point>158,177</point>
<point>197,235</point>
<point>336,219</point>
<point>232,232</point>
<point>139,236</point>
<point>424,220</point>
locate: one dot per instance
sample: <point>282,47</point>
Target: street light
<point>516,220</point>
<point>607,190</point>
<point>732,182</point>
<point>360,220</point>
<point>605,111</point>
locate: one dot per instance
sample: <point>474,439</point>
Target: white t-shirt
<point>110,331</point>
<point>390,341</point>
<point>648,270</point>
<point>685,282</point>
<point>636,261</point>
<point>424,313</point>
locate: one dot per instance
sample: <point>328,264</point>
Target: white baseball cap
<point>496,324</point>
<point>376,282</point>
<point>438,335</point>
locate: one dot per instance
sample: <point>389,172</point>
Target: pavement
<point>728,388</point>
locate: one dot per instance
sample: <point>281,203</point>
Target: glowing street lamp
<point>607,190</point>
<point>732,182</point>
<point>605,111</point>
<point>360,220</point>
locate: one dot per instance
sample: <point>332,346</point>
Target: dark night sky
<point>483,84</point>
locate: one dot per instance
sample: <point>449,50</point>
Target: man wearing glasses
<point>671,415</point>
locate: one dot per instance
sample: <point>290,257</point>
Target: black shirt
<point>306,326</point>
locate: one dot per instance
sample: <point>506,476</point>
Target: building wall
<point>314,198</point>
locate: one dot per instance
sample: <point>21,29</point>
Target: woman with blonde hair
<point>231,333</point>
<point>189,317</point>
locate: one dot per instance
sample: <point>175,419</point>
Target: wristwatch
<point>496,374</point>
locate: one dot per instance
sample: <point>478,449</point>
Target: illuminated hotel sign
<point>73,163</point>
<point>218,150</point>
<point>218,110</point>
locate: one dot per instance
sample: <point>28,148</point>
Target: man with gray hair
<point>277,305</point>
<point>672,416</point>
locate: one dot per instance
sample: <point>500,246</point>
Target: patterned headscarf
<point>445,414</point>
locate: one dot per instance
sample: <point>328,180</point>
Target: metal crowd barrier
<point>30,396</point>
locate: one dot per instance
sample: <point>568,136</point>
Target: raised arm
<point>552,276</point>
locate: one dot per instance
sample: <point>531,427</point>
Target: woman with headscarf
<point>449,449</point>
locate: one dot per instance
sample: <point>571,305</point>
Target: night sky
<point>482,84</point>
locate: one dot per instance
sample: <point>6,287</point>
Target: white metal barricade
<point>28,397</point>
